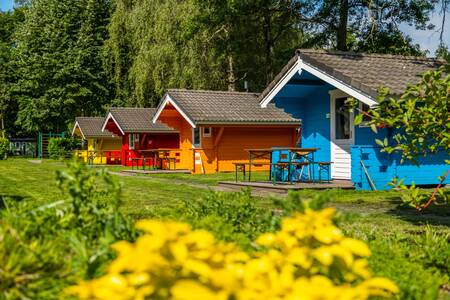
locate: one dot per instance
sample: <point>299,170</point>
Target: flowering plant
<point>309,258</point>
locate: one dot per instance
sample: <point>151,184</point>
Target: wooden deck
<point>156,172</point>
<point>285,187</point>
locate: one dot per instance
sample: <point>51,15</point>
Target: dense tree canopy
<point>58,62</point>
<point>63,58</point>
<point>8,107</point>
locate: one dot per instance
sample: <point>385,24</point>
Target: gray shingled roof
<point>92,127</point>
<point>364,72</point>
<point>132,119</point>
<point>204,107</point>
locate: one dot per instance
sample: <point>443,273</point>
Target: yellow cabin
<point>216,128</point>
<point>98,147</point>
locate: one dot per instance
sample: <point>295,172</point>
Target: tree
<point>58,60</point>
<point>8,107</point>
<point>366,25</point>
<point>420,122</point>
<point>208,44</point>
<point>157,44</point>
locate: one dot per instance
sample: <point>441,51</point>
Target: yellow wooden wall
<point>103,144</point>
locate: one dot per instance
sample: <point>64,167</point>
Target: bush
<point>4,146</point>
<point>308,258</point>
<point>44,249</point>
<point>59,148</point>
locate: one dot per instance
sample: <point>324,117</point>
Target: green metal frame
<point>46,136</point>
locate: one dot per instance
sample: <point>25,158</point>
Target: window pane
<point>365,108</point>
<point>342,125</point>
<point>196,137</point>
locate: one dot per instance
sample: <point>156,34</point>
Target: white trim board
<point>301,65</point>
<point>168,100</point>
<point>110,116</point>
<point>79,127</point>
<point>340,155</point>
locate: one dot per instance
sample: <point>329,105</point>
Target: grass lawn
<point>409,247</point>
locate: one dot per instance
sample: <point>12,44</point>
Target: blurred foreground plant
<point>46,248</point>
<point>309,258</point>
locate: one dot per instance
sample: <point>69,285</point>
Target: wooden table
<point>267,153</point>
<point>157,153</point>
<point>258,154</point>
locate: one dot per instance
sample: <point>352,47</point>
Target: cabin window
<point>342,120</point>
<point>133,140</point>
<point>196,137</point>
<point>94,144</point>
<point>206,131</point>
<point>363,109</point>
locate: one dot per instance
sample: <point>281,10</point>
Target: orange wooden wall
<point>230,144</point>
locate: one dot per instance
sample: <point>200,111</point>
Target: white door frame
<point>335,94</point>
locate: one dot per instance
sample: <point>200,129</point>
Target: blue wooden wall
<point>382,167</point>
<point>312,106</point>
<point>311,103</point>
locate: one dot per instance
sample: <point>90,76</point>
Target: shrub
<point>61,147</point>
<point>4,146</point>
<point>308,258</point>
<point>44,249</point>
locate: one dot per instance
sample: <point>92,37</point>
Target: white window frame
<point>133,138</point>
<point>194,145</point>
<point>206,134</point>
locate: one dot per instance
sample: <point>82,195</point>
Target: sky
<point>427,39</point>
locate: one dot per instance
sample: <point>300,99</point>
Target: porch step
<point>283,188</point>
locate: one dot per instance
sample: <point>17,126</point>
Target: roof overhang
<point>169,100</point>
<point>75,126</point>
<point>110,116</point>
<point>301,65</point>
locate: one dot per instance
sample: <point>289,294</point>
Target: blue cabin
<point>314,86</point>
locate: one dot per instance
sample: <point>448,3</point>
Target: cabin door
<point>342,137</point>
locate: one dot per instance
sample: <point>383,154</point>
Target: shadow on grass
<point>433,215</point>
<point>12,198</point>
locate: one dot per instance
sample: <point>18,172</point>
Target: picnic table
<point>159,156</point>
<point>293,154</point>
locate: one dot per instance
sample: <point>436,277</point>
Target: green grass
<point>206,179</point>
<point>402,247</point>
<point>19,179</point>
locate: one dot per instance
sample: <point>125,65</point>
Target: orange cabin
<point>215,128</point>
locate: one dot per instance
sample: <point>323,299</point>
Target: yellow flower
<point>192,290</point>
<point>309,258</point>
<point>357,247</point>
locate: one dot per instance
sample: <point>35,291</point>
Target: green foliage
<point>46,248</point>
<point>58,63</point>
<point>419,117</point>
<point>419,123</point>
<point>4,146</point>
<point>238,217</point>
<point>233,217</point>
<point>366,26</point>
<point>59,148</point>
<point>403,261</point>
<point>9,21</point>
<point>155,45</point>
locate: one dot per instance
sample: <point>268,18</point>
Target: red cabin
<point>139,134</point>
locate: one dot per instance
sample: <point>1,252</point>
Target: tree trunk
<point>231,77</point>
<point>267,27</point>
<point>341,34</point>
